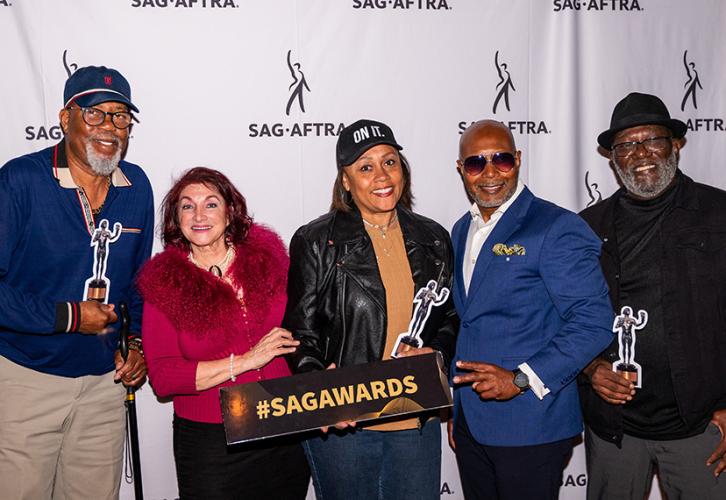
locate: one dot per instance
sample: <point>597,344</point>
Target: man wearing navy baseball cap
<point>77,225</point>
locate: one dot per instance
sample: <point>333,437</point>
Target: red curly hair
<point>239,220</point>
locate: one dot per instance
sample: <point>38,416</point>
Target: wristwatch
<point>521,380</point>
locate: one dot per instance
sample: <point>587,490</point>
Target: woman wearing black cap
<point>353,277</point>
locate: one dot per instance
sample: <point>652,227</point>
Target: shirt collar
<point>62,173</point>
<point>476,214</point>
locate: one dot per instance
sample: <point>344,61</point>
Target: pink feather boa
<point>196,301</point>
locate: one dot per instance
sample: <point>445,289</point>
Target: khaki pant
<point>60,437</point>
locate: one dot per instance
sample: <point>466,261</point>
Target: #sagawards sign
<point>309,401</point>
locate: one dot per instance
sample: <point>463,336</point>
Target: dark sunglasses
<point>475,165</point>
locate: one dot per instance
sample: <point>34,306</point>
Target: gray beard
<point>493,204</point>
<point>650,191</point>
<point>102,166</point>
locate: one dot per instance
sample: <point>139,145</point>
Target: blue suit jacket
<point>548,308</point>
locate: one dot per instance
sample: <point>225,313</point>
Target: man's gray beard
<point>652,190</point>
<point>102,166</point>
<point>492,203</point>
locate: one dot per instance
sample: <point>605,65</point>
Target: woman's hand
<point>340,425</point>
<point>415,351</point>
<point>277,342</point>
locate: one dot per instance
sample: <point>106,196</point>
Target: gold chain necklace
<point>97,210</point>
<point>386,244</point>
<point>382,227</point>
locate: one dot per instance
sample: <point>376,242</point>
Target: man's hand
<point>488,380</point>
<point>609,385</point>
<point>719,420</point>
<point>96,316</point>
<point>133,371</point>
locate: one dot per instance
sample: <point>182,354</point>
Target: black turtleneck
<point>653,412</point>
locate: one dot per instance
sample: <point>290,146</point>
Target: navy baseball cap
<point>359,137</point>
<point>96,84</point>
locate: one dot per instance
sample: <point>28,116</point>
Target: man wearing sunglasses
<point>534,311</point>
<point>664,254</point>
<point>76,224</point>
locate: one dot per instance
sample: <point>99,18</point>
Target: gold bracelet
<point>135,345</point>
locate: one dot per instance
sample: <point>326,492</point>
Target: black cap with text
<point>359,137</point>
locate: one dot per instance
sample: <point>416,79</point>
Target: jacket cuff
<point>67,317</point>
<point>309,364</point>
<point>535,383</point>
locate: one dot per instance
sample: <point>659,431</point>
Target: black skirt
<point>206,468</point>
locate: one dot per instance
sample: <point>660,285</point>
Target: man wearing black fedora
<point>663,255</point>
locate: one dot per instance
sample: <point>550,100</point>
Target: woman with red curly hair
<point>213,300</point>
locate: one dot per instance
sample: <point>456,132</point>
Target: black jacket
<point>336,302</point>
<point>693,274</point>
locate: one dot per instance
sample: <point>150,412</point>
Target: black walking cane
<point>132,428</point>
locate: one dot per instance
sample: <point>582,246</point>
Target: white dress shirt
<point>478,233</point>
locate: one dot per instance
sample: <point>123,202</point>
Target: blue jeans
<point>371,465</point>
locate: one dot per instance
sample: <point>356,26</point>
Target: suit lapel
<point>507,225</point>
<point>459,241</point>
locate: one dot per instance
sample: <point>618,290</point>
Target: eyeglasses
<point>95,117</point>
<point>475,165</point>
<point>651,145</point>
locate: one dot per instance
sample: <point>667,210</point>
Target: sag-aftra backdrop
<point>259,89</point>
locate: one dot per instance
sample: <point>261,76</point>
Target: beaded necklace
<point>219,269</point>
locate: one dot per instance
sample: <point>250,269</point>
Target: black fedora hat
<point>640,109</point>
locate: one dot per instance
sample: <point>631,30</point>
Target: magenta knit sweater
<point>191,316</point>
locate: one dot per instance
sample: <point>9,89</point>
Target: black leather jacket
<point>336,303</point>
<point>693,281</point>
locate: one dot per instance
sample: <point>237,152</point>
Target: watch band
<point>520,380</point>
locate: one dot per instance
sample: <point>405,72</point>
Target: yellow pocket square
<point>502,249</point>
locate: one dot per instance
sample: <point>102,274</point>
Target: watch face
<point>521,380</point>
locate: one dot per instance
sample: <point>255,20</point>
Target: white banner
<point>260,89</point>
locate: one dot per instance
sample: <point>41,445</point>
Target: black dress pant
<point>509,472</point>
<point>206,468</point>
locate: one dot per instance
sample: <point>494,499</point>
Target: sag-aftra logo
<point>402,4</point>
<point>503,102</point>
<point>188,4</point>
<point>597,5</point>
<point>297,89</point>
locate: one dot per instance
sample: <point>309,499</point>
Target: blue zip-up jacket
<point>48,258</point>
